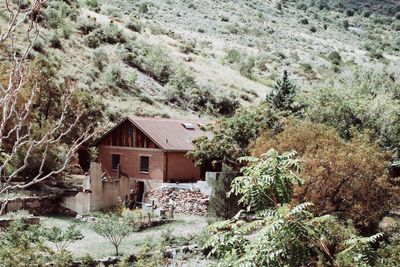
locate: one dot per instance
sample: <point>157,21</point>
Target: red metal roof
<point>172,134</point>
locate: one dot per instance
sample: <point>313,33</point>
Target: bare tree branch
<point>16,104</point>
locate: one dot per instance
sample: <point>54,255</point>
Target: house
<point>152,149</point>
<point>136,155</point>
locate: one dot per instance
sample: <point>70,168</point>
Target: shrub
<point>143,8</point>
<point>396,25</point>
<point>302,6</point>
<point>94,38</point>
<point>397,16</point>
<point>53,18</point>
<point>93,4</point>
<point>304,21</point>
<point>346,24</point>
<point>188,47</point>
<point>113,77</point>
<point>87,25</point>
<point>335,57</point>
<point>246,67</point>
<point>134,24</point>
<point>232,56</point>
<point>99,58</point>
<point>66,30</point>
<point>146,99</point>
<point>55,41</point>
<point>313,29</point>
<point>152,60</point>
<point>38,46</point>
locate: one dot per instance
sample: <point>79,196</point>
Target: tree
<point>113,228</point>
<point>283,95</point>
<point>267,181</point>
<point>220,204</point>
<point>232,136</point>
<point>17,132</point>
<point>348,178</point>
<point>62,238</point>
<point>283,234</point>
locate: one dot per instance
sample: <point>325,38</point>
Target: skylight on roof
<point>188,125</point>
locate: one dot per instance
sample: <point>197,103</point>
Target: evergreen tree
<point>283,95</point>
<point>222,205</point>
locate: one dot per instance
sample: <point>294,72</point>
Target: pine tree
<point>283,94</point>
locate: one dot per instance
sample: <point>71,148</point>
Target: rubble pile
<point>184,200</point>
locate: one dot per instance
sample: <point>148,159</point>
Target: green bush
<point>93,4</point>
<point>134,24</point>
<point>94,38</point>
<point>335,57</point>
<point>396,25</point>
<point>87,25</point>
<point>313,29</point>
<point>304,21</point>
<point>67,30</point>
<point>346,24</point>
<point>100,58</point>
<point>397,16</point>
<point>55,41</point>
<point>246,67</point>
<point>232,56</point>
<point>113,77</point>
<point>188,47</point>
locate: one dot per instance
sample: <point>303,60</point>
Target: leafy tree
<point>285,234</point>
<point>267,181</point>
<point>113,228</point>
<point>62,238</point>
<point>348,178</point>
<point>232,136</point>
<point>283,95</point>
<point>221,204</point>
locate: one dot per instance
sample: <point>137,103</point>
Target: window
<point>115,159</point>
<point>188,125</point>
<point>144,164</point>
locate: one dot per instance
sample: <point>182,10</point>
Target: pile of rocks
<point>184,200</point>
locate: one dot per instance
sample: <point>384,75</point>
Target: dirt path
<point>97,246</point>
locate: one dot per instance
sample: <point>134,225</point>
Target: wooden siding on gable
<point>127,135</point>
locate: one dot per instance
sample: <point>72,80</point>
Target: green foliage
<point>232,136</point>
<point>63,258</point>
<point>232,56</point>
<point>134,24</point>
<point>110,34</point>
<point>283,95</point>
<point>55,41</point>
<point>313,29</point>
<point>369,101</point>
<point>247,66</point>
<point>62,238</point>
<point>221,204</point>
<point>99,58</point>
<point>152,60</point>
<point>92,3</point>
<point>113,228</point>
<point>267,181</point>
<point>150,254</point>
<point>87,25</point>
<point>22,246</point>
<point>113,77</point>
<point>88,261</point>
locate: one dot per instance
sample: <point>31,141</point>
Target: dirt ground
<point>98,247</point>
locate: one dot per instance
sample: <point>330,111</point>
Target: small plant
<point>346,24</point>
<point>113,228</point>
<point>62,238</point>
<point>66,30</point>
<point>88,261</point>
<point>232,56</point>
<point>87,25</point>
<point>188,47</point>
<point>304,21</point>
<point>99,58</point>
<point>55,41</point>
<point>313,29</point>
<point>134,24</point>
<point>93,4</point>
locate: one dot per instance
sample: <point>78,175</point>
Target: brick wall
<point>130,161</point>
<point>180,168</point>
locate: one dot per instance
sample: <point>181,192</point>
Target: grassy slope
<point>275,38</point>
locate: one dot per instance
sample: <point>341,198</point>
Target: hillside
<point>205,58</point>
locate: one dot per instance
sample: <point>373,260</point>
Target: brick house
<point>151,149</point>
